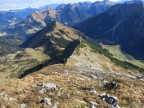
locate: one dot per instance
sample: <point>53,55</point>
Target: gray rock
<point>111,85</point>
<point>9,98</point>
<point>23,105</point>
<point>104,81</point>
<point>12,99</point>
<point>94,104</point>
<point>93,91</point>
<point>42,91</point>
<point>68,96</point>
<point>46,101</point>
<point>112,100</point>
<point>140,78</point>
<point>93,77</point>
<point>114,85</point>
<point>56,105</point>
<point>49,86</point>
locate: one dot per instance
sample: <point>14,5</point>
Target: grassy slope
<point>13,65</point>
<point>118,62</point>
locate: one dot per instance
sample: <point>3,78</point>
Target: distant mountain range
<point>121,24</point>
<point>9,19</point>
<point>69,14</point>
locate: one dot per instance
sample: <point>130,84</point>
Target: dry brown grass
<point>130,92</point>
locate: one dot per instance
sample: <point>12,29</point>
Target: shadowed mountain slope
<point>121,24</point>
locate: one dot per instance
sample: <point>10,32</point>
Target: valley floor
<point>115,50</point>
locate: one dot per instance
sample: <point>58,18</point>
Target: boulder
<point>56,105</point>
<point>140,77</point>
<point>46,101</point>
<point>111,85</point>
<point>93,77</point>
<point>114,85</point>
<point>49,86</point>
<point>94,104</point>
<point>12,99</point>
<point>9,98</point>
<point>68,96</point>
<point>104,81</point>
<point>23,105</point>
<point>93,91</point>
<point>112,100</point>
<point>42,91</point>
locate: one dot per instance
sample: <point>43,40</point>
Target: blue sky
<point>18,4</point>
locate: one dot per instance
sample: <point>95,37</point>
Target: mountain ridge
<point>62,61</point>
